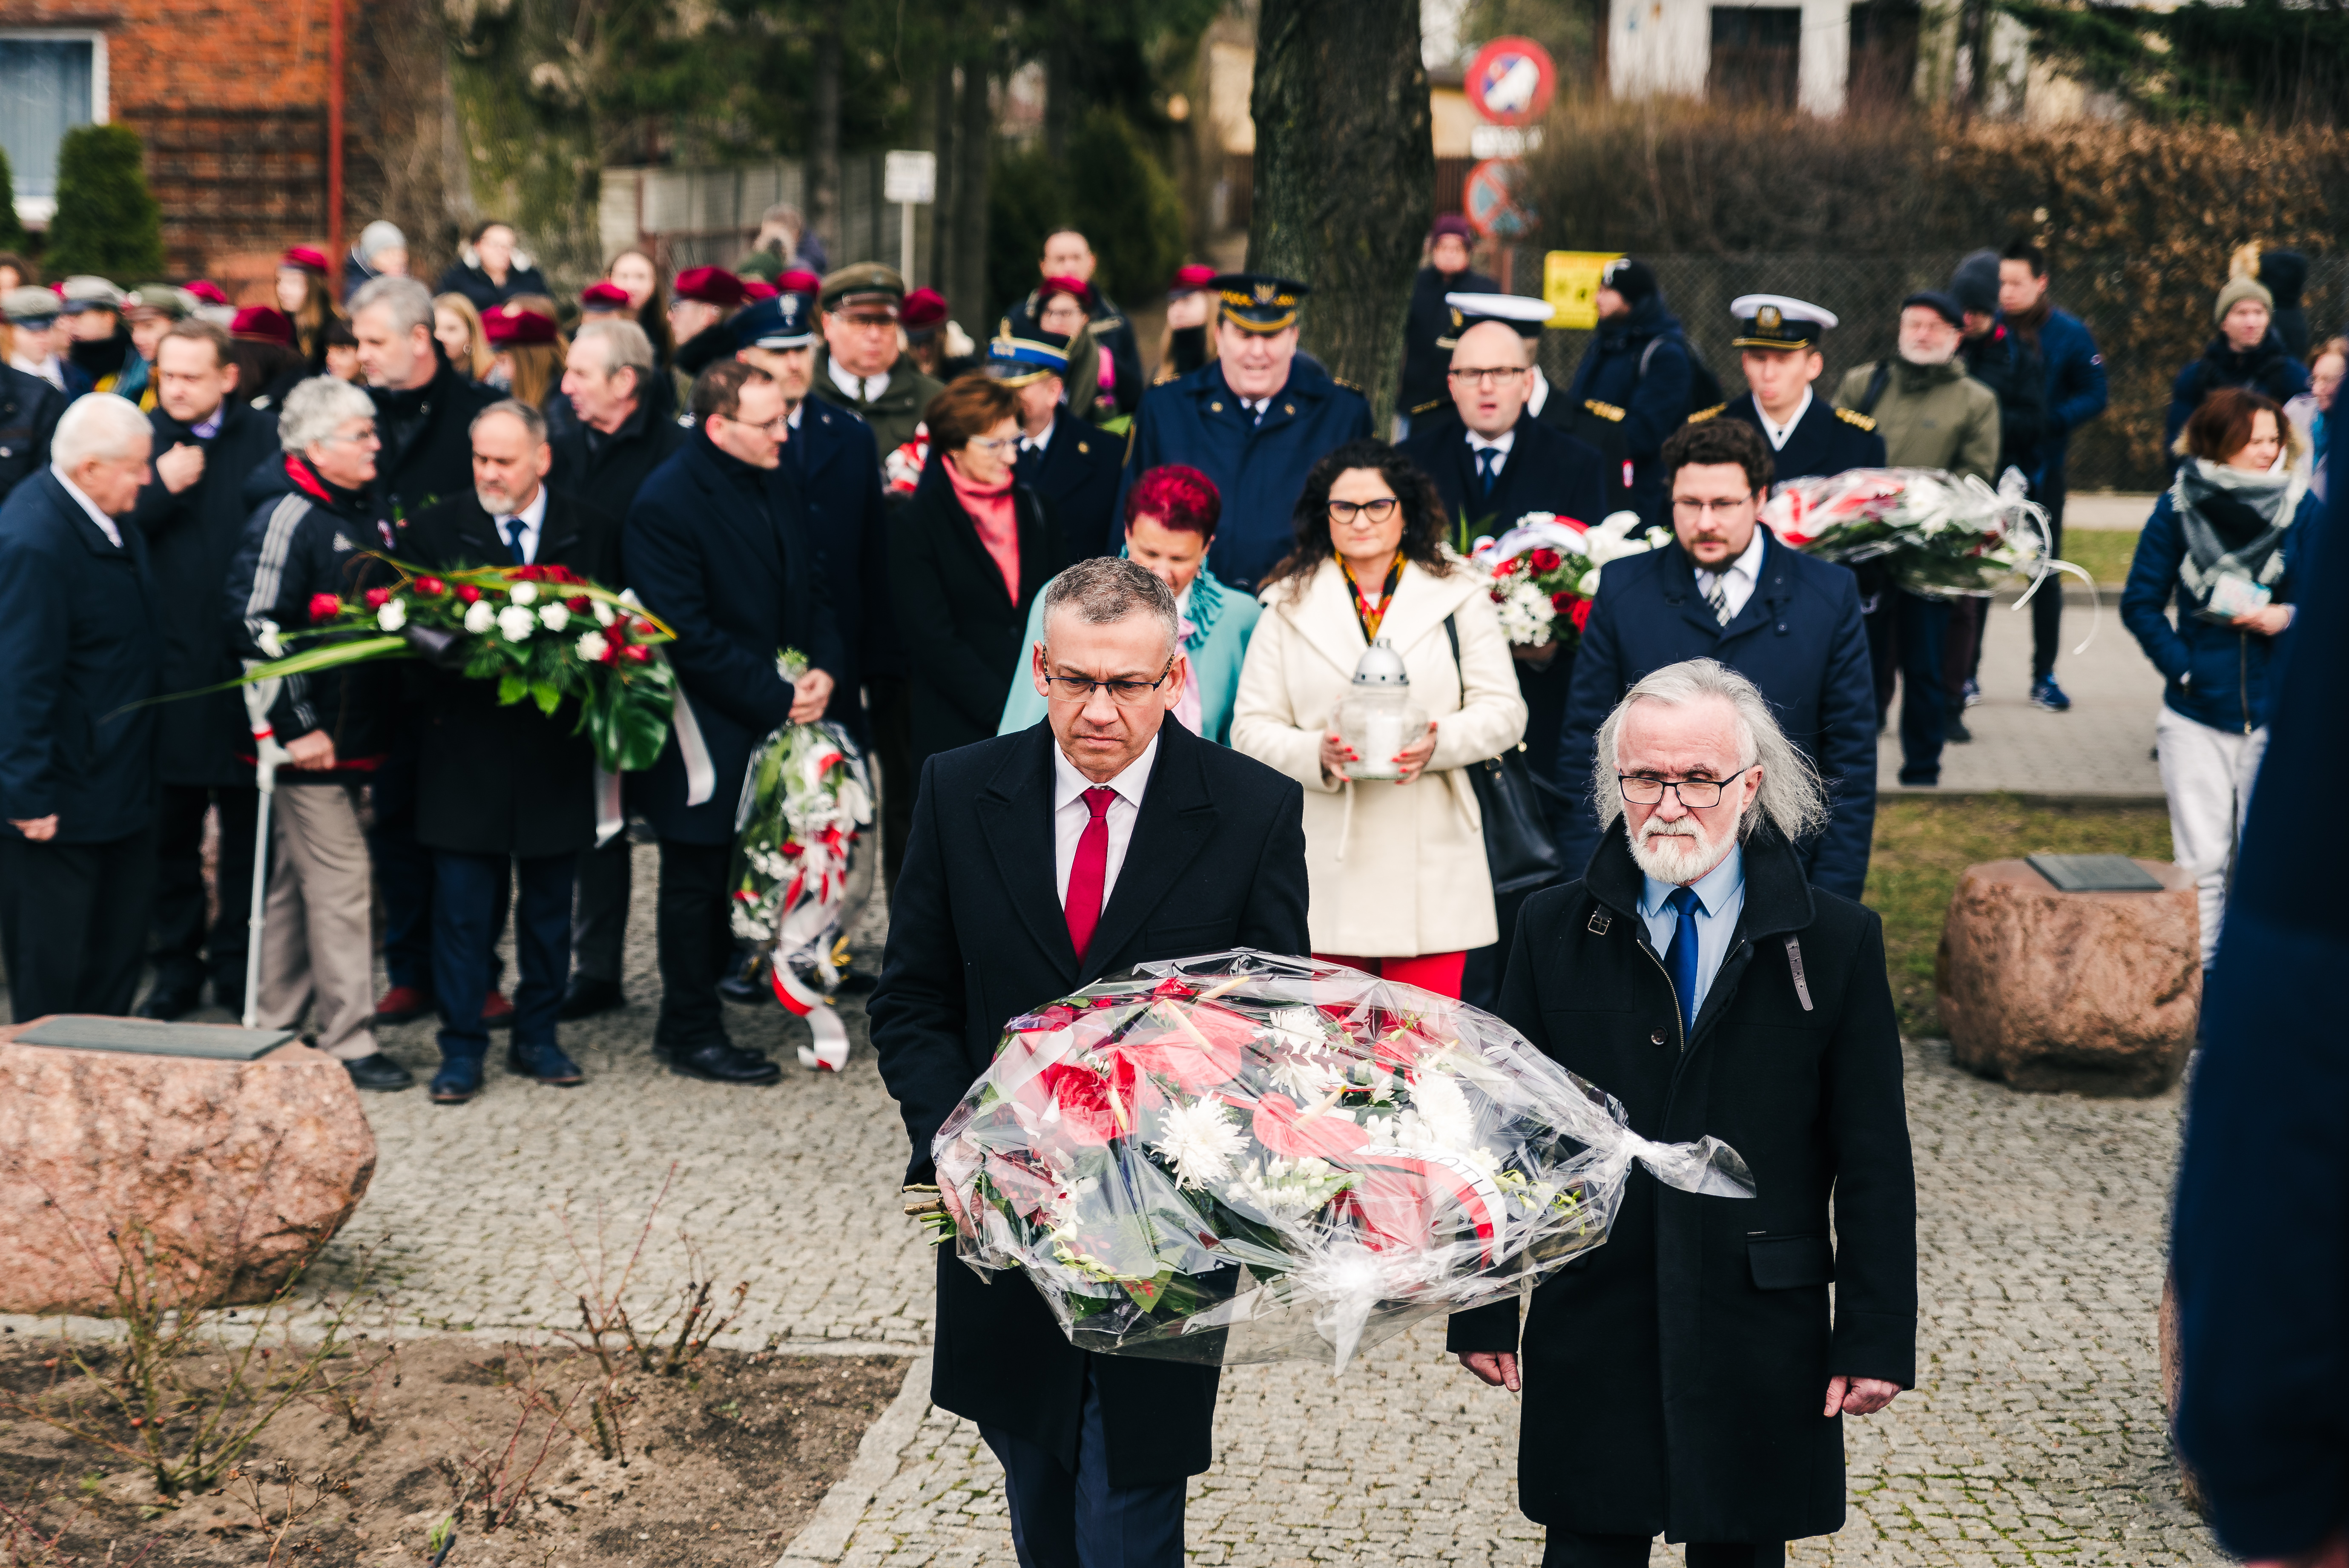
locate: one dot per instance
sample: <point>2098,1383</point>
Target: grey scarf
<point>2234,523</point>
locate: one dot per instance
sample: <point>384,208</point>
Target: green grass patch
<point>1923,845</point>
<point>2103,552</point>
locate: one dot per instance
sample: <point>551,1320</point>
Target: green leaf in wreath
<point>512,689</point>
<point>548,695</point>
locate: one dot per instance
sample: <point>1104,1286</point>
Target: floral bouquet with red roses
<point>1546,572</point>
<point>1244,1158</point>
<point>541,633</point>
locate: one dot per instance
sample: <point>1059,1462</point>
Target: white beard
<point>1681,852</point>
<point>1926,361</point>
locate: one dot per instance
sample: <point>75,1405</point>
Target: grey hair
<point>1792,796</point>
<point>1107,589</point>
<point>317,409</point>
<point>100,426</point>
<point>627,346</point>
<point>409,301</point>
<point>515,408</point>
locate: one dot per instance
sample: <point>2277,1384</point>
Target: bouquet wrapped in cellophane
<point>1243,1158</point>
<point>806,798</point>
<point>1938,534</point>
<point>1546,571</point>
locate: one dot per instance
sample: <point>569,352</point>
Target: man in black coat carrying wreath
<point>1689,1377</point>
<point>1040,862</point>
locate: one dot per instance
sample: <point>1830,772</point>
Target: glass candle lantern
<point>1378,719</point>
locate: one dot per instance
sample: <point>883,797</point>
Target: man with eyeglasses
<point>1696,973</point>
<point>1100,839</point>
<point>717,546</point>
<point>1729,590</point>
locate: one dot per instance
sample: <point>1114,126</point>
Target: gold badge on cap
<point>1768,318</point>
<point>1264,292</point>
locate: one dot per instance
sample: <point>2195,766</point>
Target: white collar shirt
<point>1540,396</point>
<point>863,389</point>
<point>1720,899</point>
<point>51,370</point>
<point>1071,814</point>
<point>1499,446</point>
<point>1778,433</point>
<point>1040,440</point>
<point>533,517</point>
<point>1737,580</point>
<point>105,524</point>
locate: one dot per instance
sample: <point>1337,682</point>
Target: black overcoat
<point>428,440</point>
<point>505,779</point>
<point>719,551</point>
<point>1076,477</point>
<point>29,410</point>
<point>978,937</point>
<point>840,473</point>
<point>609,470</point>
<point>1674,1377</point>
<point>191,539</point>
<point>963,633</point>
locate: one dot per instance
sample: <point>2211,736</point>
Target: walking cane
<point>267,754</point>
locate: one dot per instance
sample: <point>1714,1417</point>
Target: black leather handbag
<point>1518,850</point>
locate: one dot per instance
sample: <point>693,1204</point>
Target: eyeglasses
<point>1380,510</point>
<point>781,425</point>
<point>1125,694</point>
<point>1708,508</point>
<point>1490,375</point>
<point>992,443</point>
<point>1696,794</point>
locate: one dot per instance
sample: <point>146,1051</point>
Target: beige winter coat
<point>1396,869</point>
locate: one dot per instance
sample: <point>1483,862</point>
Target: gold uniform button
<point>1215,408</point>
<point>1288,408</point>
<point>1083,448</point>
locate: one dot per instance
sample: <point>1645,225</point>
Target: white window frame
<point>37,211</point>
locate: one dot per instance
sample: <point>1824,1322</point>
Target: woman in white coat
<point>1397,866</point>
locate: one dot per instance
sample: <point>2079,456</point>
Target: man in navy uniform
<point>1255,421</point>
<point>1777,346</point>
<point>1074,468</point>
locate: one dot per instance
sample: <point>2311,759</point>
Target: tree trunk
<point>944,256</point>
<point>1345,172</point>
<point>974,142</point>
<point>823,134</point>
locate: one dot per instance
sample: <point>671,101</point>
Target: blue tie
<point>1680,960</point>
<point>1485,457</point>
<point>512,529</point>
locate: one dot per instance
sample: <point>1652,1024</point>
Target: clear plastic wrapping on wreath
<point>1938,533</point>
<point>1244,1158</point>
<point>801,876</point>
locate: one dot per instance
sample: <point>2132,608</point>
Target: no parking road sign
<point>1511,81</point>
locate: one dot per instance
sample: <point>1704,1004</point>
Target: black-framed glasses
<point>1488,374</point>
<point>1125,694</point>
<point>1380,510</point>
<point>1696,794</point>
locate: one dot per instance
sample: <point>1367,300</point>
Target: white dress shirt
<point>1539,398</point>
<point>1778,433</point>
<point>863,389</point>
<point>1041,439</point>
<point>51,370</point>
<point>1497,444</point>
<point>1720,898</point>
<point>1071,814</point>
<point>1738,579</point>
<point>105,523</point>
<point>1255,409</point>
<point>533,520</point>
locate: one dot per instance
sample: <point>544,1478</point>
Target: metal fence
<point>1865,292</point>
<point>709,216</point>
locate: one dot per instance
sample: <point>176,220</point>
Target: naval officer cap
<point>1778,321</point>
<point>1028,358</point>
<point>1259,301</point>
<point>781,323</point>
<point>1522,313</point>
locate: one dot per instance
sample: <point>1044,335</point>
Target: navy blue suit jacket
<point>1823,441</point>
<point>721,553</point>
<point>1547,470</point>
<point>840,474</point>
<point>1260,469</point>
<point>81,638</point>
<point>1078,477</point>
<point>1799,638</point>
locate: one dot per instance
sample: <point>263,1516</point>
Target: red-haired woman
<point>1170,521</point>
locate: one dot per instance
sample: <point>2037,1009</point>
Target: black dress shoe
<point>1954,730</point>
<point>720,1063</point>
<point>589,996</point>
<point>379,1072</point>
<point>169,1003</point>
<point>745,980</point>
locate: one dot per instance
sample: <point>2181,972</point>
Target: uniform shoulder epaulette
<point>1604,411</point>
<point>1424,408</point>
<point>1348,386</point>
<point>1703,414</point>
<point>1854,416</point>
<point>1108,323</point>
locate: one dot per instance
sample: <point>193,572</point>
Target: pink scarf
<point>997,519</point>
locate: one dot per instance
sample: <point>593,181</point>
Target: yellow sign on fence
<point>1570,284</point>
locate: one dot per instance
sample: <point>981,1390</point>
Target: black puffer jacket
<point>2269,369</point>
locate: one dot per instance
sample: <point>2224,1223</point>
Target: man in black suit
<point>206,443</point>
<point>718,547</point>
<point>1041,861</point>
<point>619,432</point>
<point>1073,471</point>
<point>81,643</point>
<point>30,409</point>
<point>1777,346</point>
<point>502,784</point>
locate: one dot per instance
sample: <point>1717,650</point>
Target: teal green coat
<point>1223,621</point>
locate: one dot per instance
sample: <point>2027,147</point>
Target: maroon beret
<point>1076,288</point>
<point>1190,280</point>
<point>308,256</point>
<point>263,324</point>
<point>800,281</point>
<point>516,324</point>
<point>923,308</point>
<point>757,289</point>
<point>711,286</point>
<point>1454,224</point>
<point>603,297</point>
<point>207,291</point>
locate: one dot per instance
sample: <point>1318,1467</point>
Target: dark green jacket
<point>895,413</point>
<point>1931,417</point>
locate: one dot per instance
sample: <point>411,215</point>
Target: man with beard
<point>1696,973</point>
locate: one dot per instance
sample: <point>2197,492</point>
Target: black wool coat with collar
<point>1674,1377</point>
<point>978,937</point>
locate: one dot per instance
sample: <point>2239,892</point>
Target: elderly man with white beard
<point>1689,1378</point>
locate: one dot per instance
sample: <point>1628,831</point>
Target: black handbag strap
<point>1531,775</point>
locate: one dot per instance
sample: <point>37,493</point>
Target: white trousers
<point>2207,774</point>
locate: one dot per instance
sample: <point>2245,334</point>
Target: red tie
<point>1089,870</point>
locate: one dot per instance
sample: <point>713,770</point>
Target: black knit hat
<point>1635,281</point>
<point>1975,282</point>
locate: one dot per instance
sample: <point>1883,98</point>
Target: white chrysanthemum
<point>593,647</point>
<point>479,616</point>
<point>516,624</point>
<point>1199,1140</point>
<point>555,617</point>
<point>1444,1109</point>
<point>524,593</point>
<point>604,613</point>
<point>1304,1078</point>
<point>392,616</point>
<point>267,641</point>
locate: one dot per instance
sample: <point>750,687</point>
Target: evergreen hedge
<point>107,223</point>
<point>12,233</point>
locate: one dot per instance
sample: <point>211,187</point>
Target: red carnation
<point>613,648</point>
<point>467,593</point>
<point>1562,601</point>
<point>1546,559</point>
<point>325,606</point>
<point>579,606</point>
<point>376,598</point>
<point>636,654</point>
<point>431,587</point>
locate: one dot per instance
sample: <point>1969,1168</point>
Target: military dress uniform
<point>893,402</point>
<point>1258,458</point>
<point>1822,440</point>
<point>1074,468</point>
